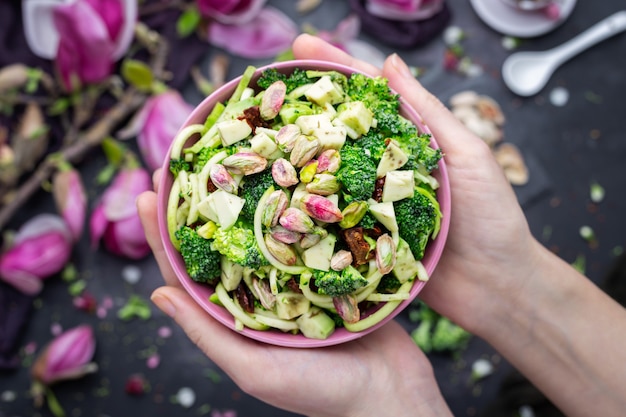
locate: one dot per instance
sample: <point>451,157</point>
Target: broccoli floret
<point>436,333</point>
<point>252,189</point>
<point>296,79</point>
<point>417,218</point>
<point>368,221</point>
<point>421,155</point>
<point>388,284</point>
<point>177,165</point>
<point>239,245</point>
<point>336,284</point>
<point>202,263</point>
<point>206,153</point>
<point>357,173</point>
<point>373,144</point>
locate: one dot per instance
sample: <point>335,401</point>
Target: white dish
<point>522,24</point>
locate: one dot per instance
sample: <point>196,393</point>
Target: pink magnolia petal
<point>348,29</point>
<point>39,225</point>
<point>127,238</point>
<point>22,281</point>
<point>85,49</point>
<point>112,14</point>
<point>270,33</point>
<point>71,200</point>
<point>231,12</point>
<point>167,112</point>
<point>119,198</point>
<point>97,225</point>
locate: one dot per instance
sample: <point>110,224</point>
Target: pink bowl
<point>201,293</point>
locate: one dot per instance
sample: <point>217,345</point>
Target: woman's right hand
<point>489,248</point>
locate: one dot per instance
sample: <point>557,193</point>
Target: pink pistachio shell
<point>66,357</point>
<point>156,124</point>
<point>404,9</point>
<point>115,219</point>
<point>88,33</point>
<point>230,12</point>
<point>71,200</point>
<point>268,34</point>
<point>41,248</point>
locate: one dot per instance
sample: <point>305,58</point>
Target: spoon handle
<point>602,30</point>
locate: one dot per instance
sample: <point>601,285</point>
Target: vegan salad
<point>307,200</point>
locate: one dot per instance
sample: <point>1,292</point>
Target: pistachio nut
<point>245,163</point>
<point>385,254</point>
<point>286,136</point>
<point>353,214</point>
<point>297,221</point>
<point>347,307</point>
<point>222,179</point>
<point>304,150</point>
<point>281,234</point>
<point>275,205</point>
<point>309,239</point>
<point>321,208</point>
<point>263,290</point>
<point>308,171</point>
<point>323,184</point>
<point>272,100</point>
<point>328,161</point>
<point>283,252</point>
<point>341,260</point>
<point>284,173</point>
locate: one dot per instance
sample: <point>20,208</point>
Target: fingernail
<point>400,66</point>
<point>164,304</point>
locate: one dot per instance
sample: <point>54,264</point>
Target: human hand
<point>490,250</point>
<point>383,373</point>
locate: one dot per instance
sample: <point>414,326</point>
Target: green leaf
<point>114,151</point>
<point>137,74</point>
<point>135,307</point>
<point>188,22</point>
<point>59,106</point>
<point>53,404</point>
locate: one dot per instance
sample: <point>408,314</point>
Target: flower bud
<point>245,163</point>
<point>41,248</point>
<point>321,208</point>
<point>323,184</point>
<point>222,179</point>
<point>272,100</point>
<point>286,137</point>
<point>284,173</point>
<point>275,205</point>
<point>66,357</point>
<point>284,253</point>
<point>71,199</point>
<point>328,161</point>
<point>341,260</point>
<point>304,150</point>
<point>353,214</point>
<point>385,254</point>
<point>297,221</point>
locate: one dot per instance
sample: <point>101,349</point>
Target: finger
<point>448,131</point>
<point>147,207</point>
<point>224,346</point>
<point>156,178</point>
<point>311,47</point>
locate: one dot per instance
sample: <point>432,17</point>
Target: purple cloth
<point>401,34</point>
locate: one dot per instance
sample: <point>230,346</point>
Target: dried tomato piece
<point>357,245</point>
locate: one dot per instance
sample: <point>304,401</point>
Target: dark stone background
<point>565,147</point>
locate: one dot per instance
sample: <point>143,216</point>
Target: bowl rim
<point>201,292</point>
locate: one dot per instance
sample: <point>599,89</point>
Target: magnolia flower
<point>115,219</point>
<point>230,12</point>
<point>404,9</point>
<point>67,356</point>
<point>71,199</point>
<point>40,249</point>
<point>85,37</point>
<point>156,124</point>
<point>268,34</point>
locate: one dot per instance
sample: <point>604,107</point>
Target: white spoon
<point>526,73</point>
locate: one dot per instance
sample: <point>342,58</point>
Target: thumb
<point>217,341</point>
<point>448,131</point>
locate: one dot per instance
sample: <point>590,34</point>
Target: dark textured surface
<point>566,148</point>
